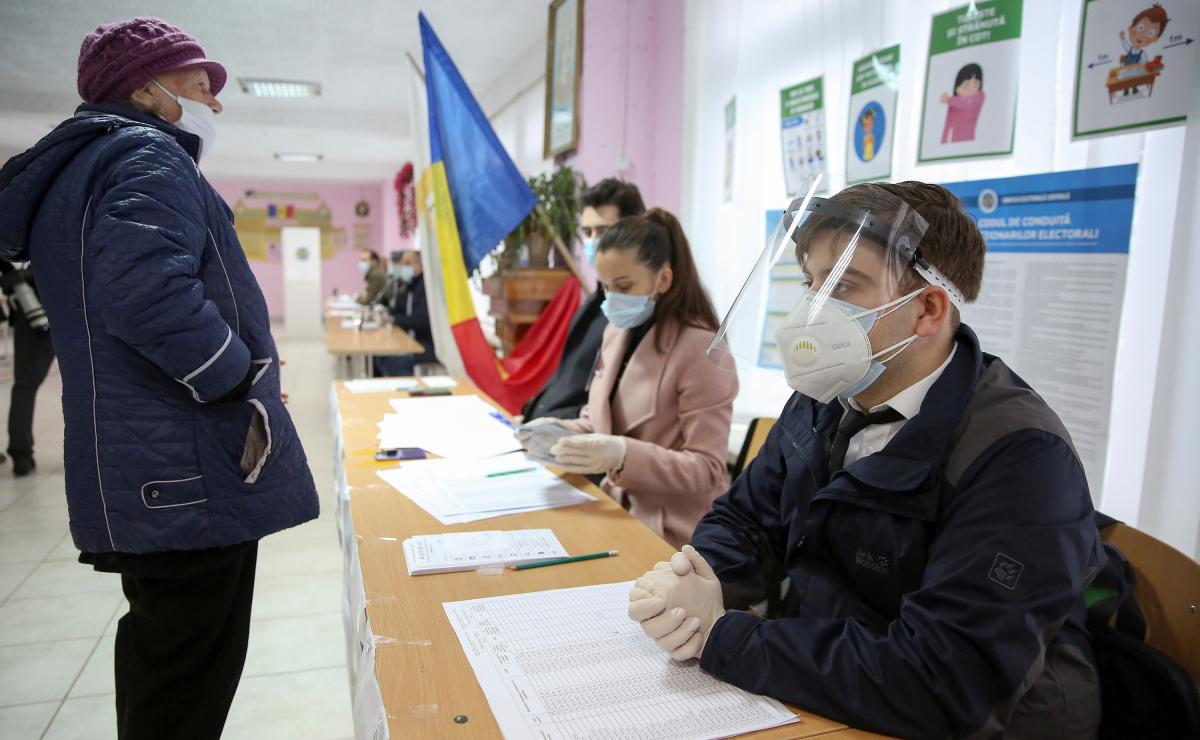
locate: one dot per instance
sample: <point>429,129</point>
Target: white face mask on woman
<point>197,119</point>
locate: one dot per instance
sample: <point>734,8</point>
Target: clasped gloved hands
<point>677,603</point>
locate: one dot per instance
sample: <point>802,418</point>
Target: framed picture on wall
<point>564,56</point>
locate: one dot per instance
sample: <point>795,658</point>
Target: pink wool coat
<point>674,409</point>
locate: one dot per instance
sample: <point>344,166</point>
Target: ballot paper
<point>453,427</point>
<point>456,551</point>
<point>381,385</point>
<point>542,439</point>
<point>460,491</point>
<point>438,381</point>
<point>570,663</point>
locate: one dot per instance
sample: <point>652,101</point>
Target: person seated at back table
<point>926,504</point>
<point>374,275</point>
<point>656,423</point>
<point>566,392</point>
<point>405,301</point>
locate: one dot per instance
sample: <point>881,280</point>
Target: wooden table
<point>1115,85</point>
<point>405,659</point>
<point>357,347</point>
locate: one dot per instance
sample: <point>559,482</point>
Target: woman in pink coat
<point>656,423</point>
<point>963,107</point>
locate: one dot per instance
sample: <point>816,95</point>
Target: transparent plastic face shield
<point>857,252</point>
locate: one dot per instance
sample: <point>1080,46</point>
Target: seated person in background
<point>567,390</point>
<point>657,418</point>
<point>373,273</point>
<point>938,546</point>
<point>406,303</point>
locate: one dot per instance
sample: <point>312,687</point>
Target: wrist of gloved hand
<point>678,603</point>
<point>590,453</point>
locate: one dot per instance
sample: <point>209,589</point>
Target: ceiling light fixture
<point>298,157</point>
<point>261,88</point>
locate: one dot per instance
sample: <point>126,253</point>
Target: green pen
<point>559,561</point>
<point>510,472</point>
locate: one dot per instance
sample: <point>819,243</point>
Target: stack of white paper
<point>381,385</point>
<point>454,427</point>
<point>571,663</point>
<point>460,491</point>
<point>457,551</point>
<point>438,381</point>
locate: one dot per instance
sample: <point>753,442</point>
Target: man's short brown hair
<point>951,242</point>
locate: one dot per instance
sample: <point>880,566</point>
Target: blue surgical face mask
<point>407,273</point>
<point>364,267</point>
<point>626,311</point>
<point>589,250</point>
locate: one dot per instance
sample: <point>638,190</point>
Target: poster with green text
<point>802,133</point>
<point>971,79</point>
<point>873,85</point>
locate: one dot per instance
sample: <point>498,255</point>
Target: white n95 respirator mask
<point>825,346</point>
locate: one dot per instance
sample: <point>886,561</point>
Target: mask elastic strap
<point>898,347</point>
<point>170,94</point>
<point>888,307</point>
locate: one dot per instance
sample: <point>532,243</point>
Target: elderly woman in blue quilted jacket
<point>180,454</point>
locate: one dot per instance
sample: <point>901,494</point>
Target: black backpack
<point>1144,693</point>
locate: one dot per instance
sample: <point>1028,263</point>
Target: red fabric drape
<point>536,356</point>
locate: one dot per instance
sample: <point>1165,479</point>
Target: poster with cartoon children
<point>1135,65</point>
<point>873,84</point>
<point>970,101</point>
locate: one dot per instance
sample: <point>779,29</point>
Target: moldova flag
<point>479,197</point>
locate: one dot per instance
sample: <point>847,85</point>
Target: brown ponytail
<point>659,240</point>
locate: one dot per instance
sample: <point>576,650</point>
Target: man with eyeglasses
<point>609,201</point>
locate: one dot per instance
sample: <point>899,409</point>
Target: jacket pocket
<point>258,443</point>
<point>167,494</point>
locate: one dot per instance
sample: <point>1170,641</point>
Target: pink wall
<point>341,270</point>
<point>633,63</point>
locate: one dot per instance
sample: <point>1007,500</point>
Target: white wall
<point>753,49</point>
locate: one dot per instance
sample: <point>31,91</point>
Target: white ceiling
<point>354,48</point>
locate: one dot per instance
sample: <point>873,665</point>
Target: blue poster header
<point>1082,211</point>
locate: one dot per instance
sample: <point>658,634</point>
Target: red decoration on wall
<point>406,200</point>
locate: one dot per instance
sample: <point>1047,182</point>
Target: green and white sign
<point>1135,65</point>
<point>802,133</point>
<point>971,79</point>
<point>873,86</point>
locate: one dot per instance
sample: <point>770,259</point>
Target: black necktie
<point>853,422</point>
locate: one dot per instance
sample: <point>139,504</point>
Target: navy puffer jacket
<point>162,337</point>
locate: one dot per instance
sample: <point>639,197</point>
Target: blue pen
<point>501,418</point>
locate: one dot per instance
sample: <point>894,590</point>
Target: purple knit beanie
<point>118,58</point>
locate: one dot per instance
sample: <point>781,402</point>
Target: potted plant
<point>558,193</point>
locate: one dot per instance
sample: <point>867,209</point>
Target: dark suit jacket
<point>566,392</point>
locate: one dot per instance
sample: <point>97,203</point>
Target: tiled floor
<point>58,618</point>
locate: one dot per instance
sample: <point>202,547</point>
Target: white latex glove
<point>590,453</point>
<point>524,431</point>
<point>678,603</point>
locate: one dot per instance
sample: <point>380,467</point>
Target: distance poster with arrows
<point>1135,65</point>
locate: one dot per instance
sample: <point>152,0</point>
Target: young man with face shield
<point>925,505</point>
<point>179,452</point>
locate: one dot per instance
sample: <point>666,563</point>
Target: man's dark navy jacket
<point>935,586</point>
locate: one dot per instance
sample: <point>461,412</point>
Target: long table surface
<point>424,678</point>
<point>388,340</point>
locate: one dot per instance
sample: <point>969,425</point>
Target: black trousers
<point>181,648</point>
<point>32,357</point>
